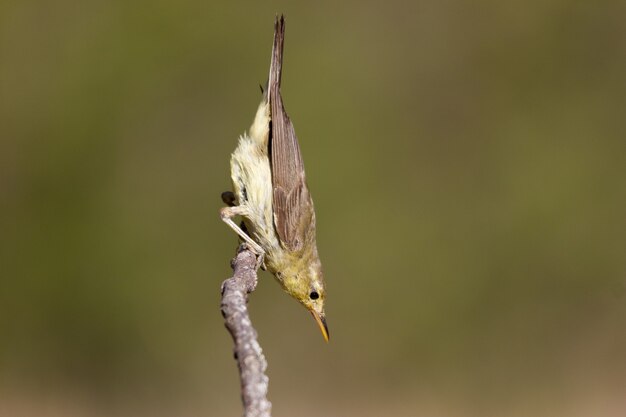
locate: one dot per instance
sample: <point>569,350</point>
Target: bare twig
<point>248,353</point>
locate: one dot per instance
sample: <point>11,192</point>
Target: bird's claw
<point>260,255</point>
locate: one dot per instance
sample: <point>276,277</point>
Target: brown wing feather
<point>292,202</point>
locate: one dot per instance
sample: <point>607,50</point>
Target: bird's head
<point>305,283</point>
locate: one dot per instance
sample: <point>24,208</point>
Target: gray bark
<point>248,352</point>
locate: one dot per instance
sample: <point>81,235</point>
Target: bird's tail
<point>259,131</point>
<point>276,64</point>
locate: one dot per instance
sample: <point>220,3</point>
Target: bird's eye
<point>314,295</point>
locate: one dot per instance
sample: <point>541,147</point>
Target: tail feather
<point>276,64</point>
<point>260,129</point>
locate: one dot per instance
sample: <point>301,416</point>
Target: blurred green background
<point>468,164</point>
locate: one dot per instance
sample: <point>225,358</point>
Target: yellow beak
<point>321,322</point>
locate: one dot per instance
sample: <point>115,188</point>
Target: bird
<point>271,195</point>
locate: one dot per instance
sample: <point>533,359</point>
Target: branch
<point>248,352</point>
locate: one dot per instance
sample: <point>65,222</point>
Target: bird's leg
<point>228,197</point>
<point>227,213</point>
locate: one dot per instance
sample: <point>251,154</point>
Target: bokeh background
<point>468,164</point>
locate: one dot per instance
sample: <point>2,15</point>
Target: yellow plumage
<point>271,195</point>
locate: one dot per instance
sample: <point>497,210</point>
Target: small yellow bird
<point>271,195</point>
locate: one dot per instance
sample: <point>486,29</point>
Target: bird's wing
<point>293,207</point>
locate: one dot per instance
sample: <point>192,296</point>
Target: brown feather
<point>293,207</point>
